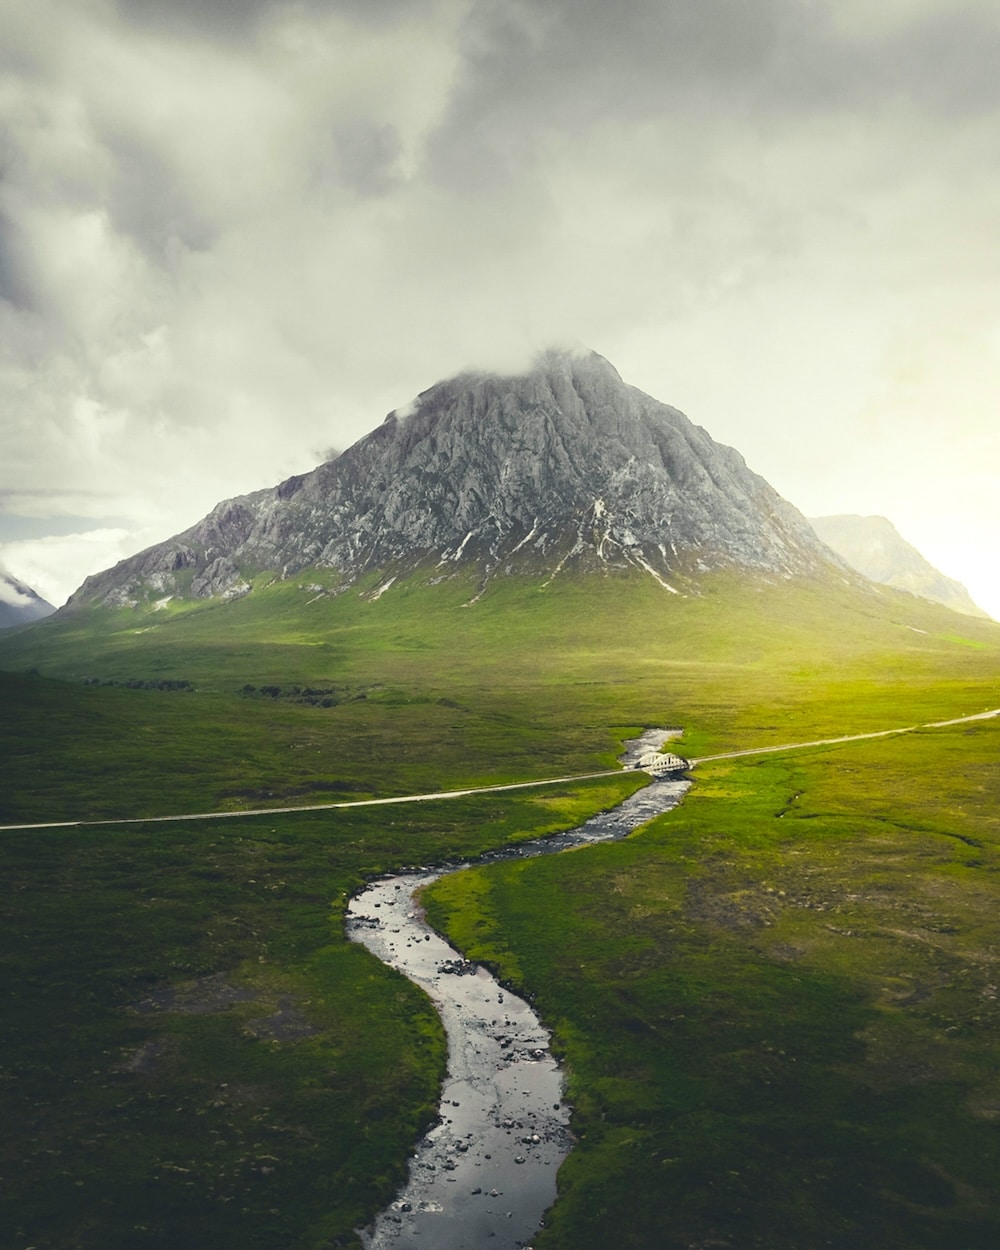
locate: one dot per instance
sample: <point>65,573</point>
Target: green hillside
<point>287,693</point>
<point>194,1055</point>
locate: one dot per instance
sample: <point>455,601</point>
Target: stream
<point>485,1173</point>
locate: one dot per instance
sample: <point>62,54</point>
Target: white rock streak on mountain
<point>565,466</point>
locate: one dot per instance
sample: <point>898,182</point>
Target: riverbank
<point>487,1170</point>
<point>777,1007</point>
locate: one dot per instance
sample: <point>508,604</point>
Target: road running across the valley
<point>516,785</point>
<point>826,742</point>
<point>316,807</point>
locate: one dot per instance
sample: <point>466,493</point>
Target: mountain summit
<point>873,546</point>
<point>19,603</point>
<point>565,465</point>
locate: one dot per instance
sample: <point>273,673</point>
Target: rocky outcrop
<point>221,578</point>
<point>874,547</point>
<point>564,466</point>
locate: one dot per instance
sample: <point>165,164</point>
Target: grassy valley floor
<point>776,1004</point>
<point>193,1054</point>
<point>779,1005</point>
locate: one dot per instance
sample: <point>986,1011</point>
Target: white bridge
<point>660,764</point>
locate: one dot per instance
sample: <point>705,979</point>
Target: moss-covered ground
<point>192,1053</point>
<point>777,1004</point>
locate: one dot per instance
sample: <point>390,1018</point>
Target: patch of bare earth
<point>284,1021</point>
<point>200,997</point>
<point>287,1024</point>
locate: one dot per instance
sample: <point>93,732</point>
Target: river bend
<point>485,1174</point>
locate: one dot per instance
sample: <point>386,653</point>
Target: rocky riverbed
<point>486,1172</point>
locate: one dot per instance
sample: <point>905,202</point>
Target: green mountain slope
<point>531,679</point>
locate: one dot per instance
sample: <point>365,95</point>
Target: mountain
<point>19,604</point>
<point>563,465</point>
<point>874,547</point>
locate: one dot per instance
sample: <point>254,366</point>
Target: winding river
<point>485,1174</point>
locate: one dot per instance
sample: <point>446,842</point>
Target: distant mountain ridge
<point>563,466</point>
<point>19,604</point>
<point>874,547</point>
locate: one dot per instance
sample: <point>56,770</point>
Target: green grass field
<point>776,1004</point>
<point>779,1005</point>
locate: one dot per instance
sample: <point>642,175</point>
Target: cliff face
<point>874,547</point>
<point>565,465</point>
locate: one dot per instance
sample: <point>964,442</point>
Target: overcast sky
<point>235,233</point>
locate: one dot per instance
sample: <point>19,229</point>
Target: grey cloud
<point>947,62</point>
<point>325,455</point>
<point>364,205</point>
<point>16,286</point>
<point>546,70</point>
<point>222,19</point>
<point>40,501</point>
<point>366,155</point>
<point>150,202</point>
<point>15,527</point>
<point>237,21</point>
<point>11,594</point>
<point>554,73</point>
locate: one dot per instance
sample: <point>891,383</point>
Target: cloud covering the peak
<point>233,233</point>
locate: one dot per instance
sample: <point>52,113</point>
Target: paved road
<point>517,785</point>
<point>824,742</point>
<point>317,807</point>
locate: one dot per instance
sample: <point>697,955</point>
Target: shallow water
<point>485,1174</point>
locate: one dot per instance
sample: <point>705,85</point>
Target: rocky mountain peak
<point>874,547</point>
<point>563,466</point>
<point>19,603</point>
